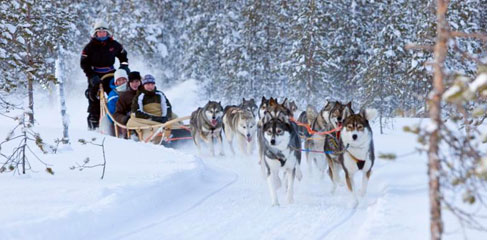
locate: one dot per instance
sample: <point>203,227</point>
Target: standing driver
<point>97,59</point>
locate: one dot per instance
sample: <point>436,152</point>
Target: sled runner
<point>167,134</point>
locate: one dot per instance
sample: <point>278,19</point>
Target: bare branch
<point>480,36</point>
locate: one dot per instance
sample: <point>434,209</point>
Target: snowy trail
<point>202,199</point>
<point>151,192</point>
<point>246,199</point>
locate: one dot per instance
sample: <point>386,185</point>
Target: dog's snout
<point>273,141</point>
<point>339,119</point>
<point>248,134</point>
<point>354,137</point>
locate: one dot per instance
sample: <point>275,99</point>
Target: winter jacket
<point>124,105</point>
<point>113,96</point>
<point>98,57</point>
<point>151,104</point>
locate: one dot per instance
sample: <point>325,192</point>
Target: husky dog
<point>329,118</point>
<point>307,117</point>
<point>264,104</point>
<point>359,154</point>
<point>281,146</point>
<point>206,124</point>
<point>334,113</point>
<point>274,109</point>
<point>240,123</point>
<point>249,105</point>
<point>315,142</point>
<point>291,105</point>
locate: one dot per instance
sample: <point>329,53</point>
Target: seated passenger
<point>118,85</point>
<point>149,107</point>
<point>124,103</point>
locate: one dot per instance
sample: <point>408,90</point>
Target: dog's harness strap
<point>360,162</point>
<point>311,131</point>
<point>275,156</point>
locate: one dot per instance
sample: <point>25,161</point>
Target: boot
<point>93,123</point>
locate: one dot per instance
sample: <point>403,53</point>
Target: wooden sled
<point>169,132</point>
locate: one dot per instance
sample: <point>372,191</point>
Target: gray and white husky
<point>307,117</point>
<point>275,110</point>
<point>359,154</point>
<point>314,143</point>
<point>240,123</point>
<point>249,105</point>
<point>206,124</point>
<point>281,147</point>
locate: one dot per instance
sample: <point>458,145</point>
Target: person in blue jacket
<point>118,85</point>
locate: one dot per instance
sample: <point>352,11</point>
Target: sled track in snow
<point>193,206</point>
<point>338,224</point>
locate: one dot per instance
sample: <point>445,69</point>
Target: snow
<point>152,192</point>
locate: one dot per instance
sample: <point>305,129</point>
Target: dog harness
<point>276,156</point>
<point>360,163</point>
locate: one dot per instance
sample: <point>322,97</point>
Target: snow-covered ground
<point>152,192</point>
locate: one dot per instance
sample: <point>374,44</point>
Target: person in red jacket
<point>97,59</point>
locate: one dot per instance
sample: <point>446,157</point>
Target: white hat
<point>101,25</point>
<point>121,73</point>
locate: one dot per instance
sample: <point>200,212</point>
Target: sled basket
<point>170,131</point>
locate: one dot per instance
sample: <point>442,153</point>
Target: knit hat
<point>100,25</point>
<point>120,73</point>
<point>134,76</point>
<point>148,79</point>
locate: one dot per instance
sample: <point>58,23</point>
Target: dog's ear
<point>285,103</point>
<point>267,117</point>
<point>349,104</point>
<point>263,100</point>
<point>243,100</point>
<point>252,101</point>
<point>327,105</point>
<point>294,106</point>
<point>370,113</point>
<point>346,113</point>
<point>272,102</point>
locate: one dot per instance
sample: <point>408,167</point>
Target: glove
<point>159,119</point>
<point>94,81</point>
<point>125,67</point>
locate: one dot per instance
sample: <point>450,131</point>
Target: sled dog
<point>206,124</point>
<point>240,123</point>
<point>359,154</point>
<point>281,146</point>
<point>334,114</point>
<point>291,105</point>
<point>249,105</point>
<point>275,110</point>
<point>314,143</point>
<point>307,117</point>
